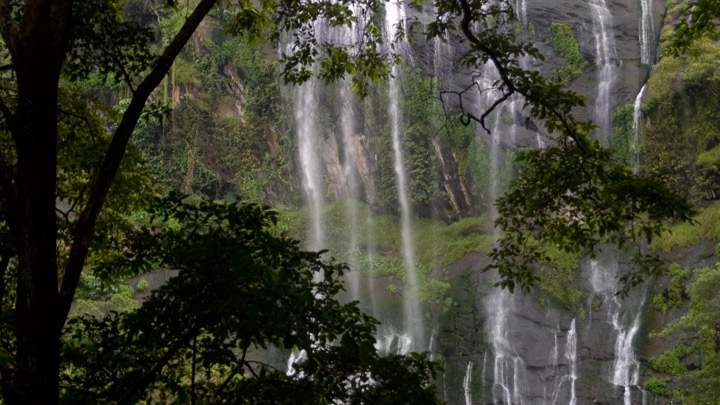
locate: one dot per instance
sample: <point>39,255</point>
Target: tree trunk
<point>38,343</point>
<point>37,45</point>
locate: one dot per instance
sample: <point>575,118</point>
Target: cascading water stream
<point>305,118</point>
<point>348,36</point>
<point>467,384</point>
<point>521,12</point>
<point>647,33</point>
<point>347,120</point>
<point>508,365</point>
<point>570,357</point>
<point>443,58</point>
<point>394,17</point>
<point>606,55</point>
<point>626,367</point>
<point>637,116</point>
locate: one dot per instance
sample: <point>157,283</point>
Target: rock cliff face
<point>574,342</point>
<point>528,349</point>
<point>438,60</point>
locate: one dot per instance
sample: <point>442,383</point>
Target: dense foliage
<point>204,334</point>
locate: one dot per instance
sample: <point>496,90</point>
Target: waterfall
<point>443,58</point>
<point>647,33</point>
<point>296,357</point>
<point>312,178</point>
<point>348,35</point>
<point>521,12</point>
<point>391,342</point>
<point>482,376</point>
<point>467,381</point>
<point>539,141</point>
<point>495,162</point>
<point>605,50</point>
<point>394,17</point>
<point>626,367</point>
<point>637,116</point>
<point>507,365</point>
<point>347,129</point>
<point>571,357</point>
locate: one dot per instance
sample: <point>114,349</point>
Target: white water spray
<point>637,116</point>
<point>394,17</point>
<point>626,367</point>
<point>305,118</point>
<point>467,381</point>
<point>647,33</point>
<point>571,357</point>
<point>605,52</point>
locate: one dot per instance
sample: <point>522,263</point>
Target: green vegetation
<point>658,386</point>
<point>565,45</point>
<point>379,244</point>
<point>238,288</point>
<point>555,281</point>
<point>705,226</point>
<point>621,138</point>
<point>693,364</point>
<point>684,111</point>
<point>99,101</point>
<point>95,299</point>
<point>674,296</point>
<point>142,285</point>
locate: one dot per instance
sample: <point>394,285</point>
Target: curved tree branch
<point>113,156</point>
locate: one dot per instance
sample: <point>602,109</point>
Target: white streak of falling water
<point>647,33</point>
<point>296,357</point>
<point>347,35</point>
<point>512,109</point>
<point>637,116</point>
<point>482,376</point>
<point>495,161</point>
<point>305,118</point>
<point>431,347</point>
<point>347,129</point>
<point>521,12</point>
<point>443,59</point>
<point>556,350</point>
<point>605,51</point>
<point>571,357</point>
<point>394,16</point>
<point>507,365</point>
<point>626,368</point>
<point>467,381</point>
<point>389,342</point>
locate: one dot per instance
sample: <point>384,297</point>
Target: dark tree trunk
<point>37,45</point>
<point>35,130</point>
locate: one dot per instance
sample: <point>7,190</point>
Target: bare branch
<point>490,109</point>
<point>82,117</point>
